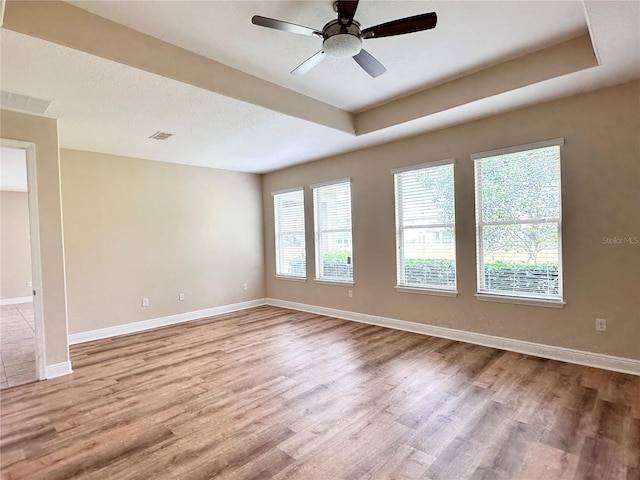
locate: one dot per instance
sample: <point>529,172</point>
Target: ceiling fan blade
<point>309,63</point>
<point>284,26</point>
<point>369,63</point>
<point>346,11</point>
<point>401,26</point>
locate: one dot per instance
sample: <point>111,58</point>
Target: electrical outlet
<point>601,324</point>
<point>145,302</point>
<point>245,287</point>
<point>350,293</point>
<point>181,297</point>
<point>29,284</point>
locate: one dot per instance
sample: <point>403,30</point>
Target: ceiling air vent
<point>22,103</point>
<point>161,135</point>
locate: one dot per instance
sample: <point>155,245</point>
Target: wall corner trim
<point>143,325</point>
<point>580,357</point>
<point>58,370</point>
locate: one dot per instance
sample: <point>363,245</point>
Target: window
<point>518,221</point>
<point>288,213</point>
<point>425,226</point>
<point>334,252</point>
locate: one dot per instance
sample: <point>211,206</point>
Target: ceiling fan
<point>343,37</point>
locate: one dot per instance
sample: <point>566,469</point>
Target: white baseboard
<point>580,357</point>
<point>58,370</point>
<point>16,300</point>
<point>117,330</point>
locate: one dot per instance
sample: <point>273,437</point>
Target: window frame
<point>402,286</point>
<point>483,293</point>
<point>278,236</point>
<point>315,188</point>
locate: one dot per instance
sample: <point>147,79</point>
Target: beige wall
<point>601,198</point>
<point>138,228</point>
<point>44,133</point>
<point>15,247</point>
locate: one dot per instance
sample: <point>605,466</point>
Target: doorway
<point>21,332</point>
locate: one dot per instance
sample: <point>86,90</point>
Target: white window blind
<point>518,222</point>
<point>334,252</point>
<point>425,227</point>
<point>288,209</point>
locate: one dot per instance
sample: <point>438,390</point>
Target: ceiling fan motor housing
<point>341,41</point>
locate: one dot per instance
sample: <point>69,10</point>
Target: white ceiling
<point>13,170</point>
<point>110,107</point>
<point>460,43</point>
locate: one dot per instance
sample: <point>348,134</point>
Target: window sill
<point>291,278</point>
<point>323,281</point>
<point>427,291</point>
<point>533,302</point>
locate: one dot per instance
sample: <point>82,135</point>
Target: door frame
<point>36,260</point>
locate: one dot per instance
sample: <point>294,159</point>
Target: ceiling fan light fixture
<point>342,45</point>
<point>343,36</point>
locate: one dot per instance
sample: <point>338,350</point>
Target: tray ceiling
<point>221,85</point>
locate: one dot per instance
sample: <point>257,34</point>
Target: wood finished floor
<point>275,394</point>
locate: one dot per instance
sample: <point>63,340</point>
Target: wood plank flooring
<point>271,393</point>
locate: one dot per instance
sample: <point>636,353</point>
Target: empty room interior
<point>320,240</point>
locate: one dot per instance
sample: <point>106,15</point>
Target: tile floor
<point>17,345</point>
